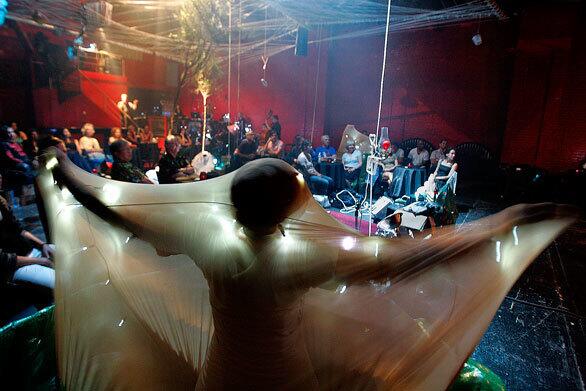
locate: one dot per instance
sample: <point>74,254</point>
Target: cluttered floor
<point>537,340</point>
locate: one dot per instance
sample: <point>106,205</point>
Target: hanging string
<point>380,105</point>
<point>239,51</point>
<point>230,58</point>
<point>319,33</point>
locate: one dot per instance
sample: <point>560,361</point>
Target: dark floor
<point>537,338</point>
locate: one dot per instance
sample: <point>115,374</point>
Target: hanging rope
<point>319,33</point>
<point>380,105</point>
<point>239,51</point>
<point>229,58</point>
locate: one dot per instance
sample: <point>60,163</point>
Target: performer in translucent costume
<point>298,301</point>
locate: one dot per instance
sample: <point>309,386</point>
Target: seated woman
<point>146,135</point>
<point>21,249</point>
<point>131,135</point>
<point>116,135</point>
<point>273,147</point>
<point>322,184</point>
<point>14,163</point>
<point>90,146</point>
<point>74,150</point>
<point>445,170</point>
<point>352,160</point>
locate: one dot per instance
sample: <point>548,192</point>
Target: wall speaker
<point>301,41</point>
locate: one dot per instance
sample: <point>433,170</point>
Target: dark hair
<point>46,142</point>
<point>117,146</point>
<point>265,193</point>
<point>273,132</point>
<point>305,144</point>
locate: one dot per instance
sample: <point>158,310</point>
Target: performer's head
<point>124,97</point>
<point>265,192</point>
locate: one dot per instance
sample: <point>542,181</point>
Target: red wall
<point>290,93</point>
<point>547,114</point>
<point>95,104</point>
<point>437,84</point>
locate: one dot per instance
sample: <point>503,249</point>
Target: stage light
<point>477,39</point>
<point>264,82</point>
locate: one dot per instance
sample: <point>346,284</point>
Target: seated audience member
<point>442,174</point>
<point>14,163</point>
<point>146,135</point>
<point>274,147</point>
<point>325,152</point>
<point>90,146</point>
<point>51,141</point>
<point>20,249</point>
<point>352,160</point>
<point>246,150</point>
<point>131,134</point>
<point>74,151</point>
<point>122,169</point>
<point>20,135</point>
<point>265,133</point>
<point>30,146</point>
<point>394,159</point>
<point>445,169</point>
<point>172,166</point>
<point>295,149</point>
<point>438,154</point>
<point>116,135</point>
<point>322,184</point>
<point>419,156</point>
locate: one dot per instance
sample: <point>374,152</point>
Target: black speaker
<point>301,41</point>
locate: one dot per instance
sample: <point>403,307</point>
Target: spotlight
<point>477,39</point>
<point>264,82</point>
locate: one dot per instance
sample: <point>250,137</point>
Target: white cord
<point>380,103</point>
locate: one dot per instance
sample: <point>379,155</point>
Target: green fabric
<point>476,377</point>
<point>27,353</point>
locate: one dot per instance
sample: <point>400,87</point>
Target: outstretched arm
<point>362,259</point>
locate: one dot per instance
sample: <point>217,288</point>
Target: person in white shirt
<point>90,146</point>
<point>419,156</point>
<point>323,184</point>
<point>438,155</point>
<point>352,160</point>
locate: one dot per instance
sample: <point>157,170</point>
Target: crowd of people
<point>19,152</point>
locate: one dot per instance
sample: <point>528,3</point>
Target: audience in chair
<point>171,166</point>
<point>394,159</point>
<point>23,256</point>
<point>122,169</point>
<point>438,154</point>
<point>116,135</point>
<point>322,184</point>
<point>146,135</point>
<point>352,161</point>
<point>273,147</point>
<point>14,163</point>
<point>418,156</point>
<point>74,150</point>
<point>444,172</point>
<point>90,146</point>
<point>246,150</point>
<point>325,152</point>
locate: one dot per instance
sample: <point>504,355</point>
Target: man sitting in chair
<point>172,167</point>
<point>123,170</point>
<point>419,156</point>
<point>325,152</point>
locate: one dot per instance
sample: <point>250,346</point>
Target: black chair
<point>475,162</point>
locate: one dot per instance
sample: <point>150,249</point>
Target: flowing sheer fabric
<point>159,287</point>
